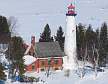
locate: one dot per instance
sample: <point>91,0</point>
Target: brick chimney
<point>33,40</point>
<point>32,49</point>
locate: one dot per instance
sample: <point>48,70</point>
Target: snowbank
<point>3,58</point>
<point>60,78</point>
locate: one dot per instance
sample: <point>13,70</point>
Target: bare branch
<point>12,23</point>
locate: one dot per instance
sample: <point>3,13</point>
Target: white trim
<point>49,57</point>
<point>27,50</point>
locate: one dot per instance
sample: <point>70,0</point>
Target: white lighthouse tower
<point>70,39</point>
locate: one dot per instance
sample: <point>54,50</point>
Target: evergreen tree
<point>17,52</point>
<point>2,74</point>
<point>46,35</point>
<point>103,44</point>
<point>97,41</point>
<point>90,41</point>
<point>4,28</point>
<point>60,38</point>
<point>89,38</point>
<point>103,35</point>
<point>80,37</point>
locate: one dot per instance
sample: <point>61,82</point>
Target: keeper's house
<point>48,55</point>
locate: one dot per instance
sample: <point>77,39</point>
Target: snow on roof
<point>27,50</point>
<point>28,59</point>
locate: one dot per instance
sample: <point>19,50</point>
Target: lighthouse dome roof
<point>71,6</point>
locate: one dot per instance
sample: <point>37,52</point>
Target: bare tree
<point>12,23</point>
<point>83,55</point>
<point>95,59</point>
<point>82,70</point>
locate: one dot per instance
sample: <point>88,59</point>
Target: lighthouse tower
<point>70,39</point>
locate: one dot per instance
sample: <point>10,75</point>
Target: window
<point>56,61</point>
<point>42,63</point>
<point>42,69</point>
<point>33,66</point>
<point>56,68</point>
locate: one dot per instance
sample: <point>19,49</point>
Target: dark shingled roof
<point>48,49</point>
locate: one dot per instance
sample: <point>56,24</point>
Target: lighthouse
<point>70,39</point>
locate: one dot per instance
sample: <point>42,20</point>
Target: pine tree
<point>97,41</point>
<point>80,37</point>
<point>4,28</point>
<point>60,38</point>
<point>90,38</point>
<point>103,44</point>
<point>103,35</point>
<point>46,35</point>
<point>17,52</point>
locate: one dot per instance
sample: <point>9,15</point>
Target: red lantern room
<point>71,10</point>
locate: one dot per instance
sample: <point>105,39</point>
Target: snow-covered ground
<point>58,77</point>
<point>3,59</point>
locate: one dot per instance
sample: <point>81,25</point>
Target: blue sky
<point>33,15</point>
